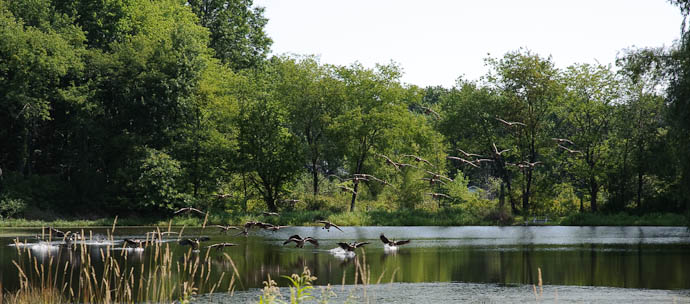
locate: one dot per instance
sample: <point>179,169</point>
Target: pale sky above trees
<point>437,41</point>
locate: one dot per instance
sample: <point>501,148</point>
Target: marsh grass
<point>300,286</point>
<point>80,273</point>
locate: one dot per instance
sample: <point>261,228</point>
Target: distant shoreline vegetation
<point>362,218</point>
<point>145,107</point>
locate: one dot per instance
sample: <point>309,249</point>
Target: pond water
<point>486,264</point>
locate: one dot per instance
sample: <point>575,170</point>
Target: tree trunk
<point>24,152</point>
<point>513,207</point>
<point>244,188</point>
<point>593,192</point>
<point>640,178</point>
<point>354,197</point>
<point>582,204</point>
<point>501,196</point>
<point>360,163</point>
<point>315,176</point>
<point>526,193</point>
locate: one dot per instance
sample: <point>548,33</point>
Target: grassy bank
<point>363,218</point>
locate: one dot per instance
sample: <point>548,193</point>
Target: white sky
<point>437,41</point>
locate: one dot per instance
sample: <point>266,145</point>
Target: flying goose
<point>390,243</point>
<point>390,162</point>
<point>498,153</point>
<point>347,189</point>
<point>471,163</point>
<point>369,176</point>
<point>351,246</point>
<point>275,228</point>
<point>300,241</point>
<point>437,195</point>
<point>510,123</point>
<point>327,225</point>
<point>562,140</point>
<point>468,154</point>
<point>439,176</point>
<point>221,246</point>
<point>58,233</point>
<point>194,242</point>
<point>418,159</point>
<point>135,243</point>
<point>275,213</point>
<point>571,151</point>
<point>433,180</point>
<point>225,229</point>
<point>403,165</point>
<point>189,209</point>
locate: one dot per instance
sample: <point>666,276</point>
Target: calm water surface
<point>490,263</point>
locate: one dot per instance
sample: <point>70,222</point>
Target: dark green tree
<point>237,30</point>
<point>530,86</point>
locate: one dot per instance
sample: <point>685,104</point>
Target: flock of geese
<point>195,243</point>
<point>467,158</point>
<point>471,159</point>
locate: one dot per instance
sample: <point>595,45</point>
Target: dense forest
<point>141,107</point>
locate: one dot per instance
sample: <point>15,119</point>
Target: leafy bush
<point>155,186</point>
<point>11,207</point>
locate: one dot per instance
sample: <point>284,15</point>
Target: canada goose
<point>250,224</point>
<point>135,243</point>
<point>347,189</point>
<point>390,162</point>
<point>468,154</point>
<point>498,153</point>
<point>437,195</point>
<point>327,225</point>
<point>430,111</point>
<point>369,176</point>
<point>244,232</point>
<point>272,213</point>
<point>531,165</point>
<point>388,242</point>
<point>189,209</point>
<point>275,228</point>
<point>194,242</point>
<point>351,246</point>
<point>563,140</point>
<point>223,195</point>
<point>356,178</point>
<point>418,159</point>
<point>403,165</point>
<point>510,123</point>
<point>300,241</point>
<point>221,246</point>
<point>225,229</point>
<point>571,151</point>
<point>463,160</point>
<point>58,233</point>
<point>433,180</point>
<point>439,176</point>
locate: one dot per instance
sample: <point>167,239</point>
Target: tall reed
<point>81,272</point>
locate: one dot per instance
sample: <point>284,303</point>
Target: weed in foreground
<point>81,273</point>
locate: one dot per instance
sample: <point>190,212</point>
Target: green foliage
<point>11,207</point>
<point>119,105</point>
<point>301,286</point>
<point>237,30</point>
<point>155,185</point>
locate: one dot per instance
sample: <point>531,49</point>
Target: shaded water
<point>439,257</point>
